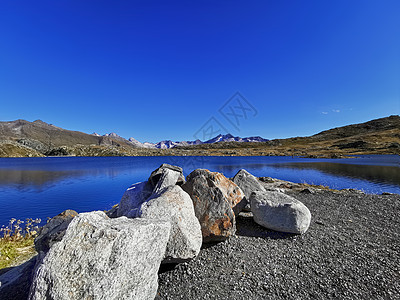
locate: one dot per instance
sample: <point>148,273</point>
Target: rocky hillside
<point>22,138</point>
<point>31,139</point>
<point>40,135</point>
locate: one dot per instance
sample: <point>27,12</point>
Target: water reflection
<point>373,173</point>
<point>37,178</point>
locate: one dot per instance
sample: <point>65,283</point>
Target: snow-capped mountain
<point>167,144</point>
<point>188,143</point>
<point>230,138</point>
<point>254,139</point>
<point>138,144</point>
<point>113,134</point>
<point>223,138</point>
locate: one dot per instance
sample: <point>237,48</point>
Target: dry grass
<point>16,243</point>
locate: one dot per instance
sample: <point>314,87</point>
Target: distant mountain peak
<point>112,134</point>
<point>230,138</point>
<point>133,140</point>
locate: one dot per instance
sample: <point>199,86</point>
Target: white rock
<point>174,176</point>
<point>280,212</point>
<point>168,178</point>
<point>103,258</point>
<point>133,198</point>
<point>175,206</point>
<point>248,184</point>
<point>164,176</point>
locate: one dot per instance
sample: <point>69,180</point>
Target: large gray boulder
<point>279,212</point>
<point>133,198</point>
<point>54,230</point>
<point>166,175</point>
<point>175,206</point>
<point>216,199</point>
<point>248,184</point>
<point>103,258</point>
<point>162,198</point>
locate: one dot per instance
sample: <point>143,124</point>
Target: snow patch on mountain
<point>167,144</point>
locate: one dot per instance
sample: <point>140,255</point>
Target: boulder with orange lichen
<point>216,199</point>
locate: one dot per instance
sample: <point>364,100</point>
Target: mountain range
<point>167,144</point>
<point>22,138</point>
<point>43,137</point>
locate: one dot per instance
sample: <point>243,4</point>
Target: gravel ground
<point>350,251</point>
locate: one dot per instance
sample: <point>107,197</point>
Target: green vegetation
<point>16,243</point>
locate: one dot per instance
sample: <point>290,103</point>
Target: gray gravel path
<point>351,251</point>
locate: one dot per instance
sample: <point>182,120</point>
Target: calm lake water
<point>44,187</point>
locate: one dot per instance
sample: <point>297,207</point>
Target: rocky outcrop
<point>248,184</point>
<point>103,258</point>
<point>175,206</point>
<point>216,199</point>
<point>54,230</point>
<point>280,212</point>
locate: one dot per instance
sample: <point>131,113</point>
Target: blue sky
<point>159,70</point>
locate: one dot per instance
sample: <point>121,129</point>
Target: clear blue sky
<point>159,70</point>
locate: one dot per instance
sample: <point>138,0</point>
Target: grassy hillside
<point>380,136</point>
<point>22,138</point>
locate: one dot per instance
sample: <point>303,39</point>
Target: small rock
<point>113,212</point>
<point>306,191</point>
<point>267,179</point>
